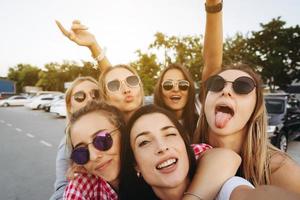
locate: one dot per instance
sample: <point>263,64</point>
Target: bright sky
<point>29,33</point>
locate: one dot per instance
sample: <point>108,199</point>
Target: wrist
<point>95,49</point>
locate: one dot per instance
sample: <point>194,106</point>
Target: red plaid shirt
<point>90,187</point>
<point>199,149</point>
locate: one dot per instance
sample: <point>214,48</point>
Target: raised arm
<point>82,37</point>
<point>213,39</point>
<point>213,169</point>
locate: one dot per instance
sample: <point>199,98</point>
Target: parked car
<point>47,106</point>
<point>38,102</point>
<point>14,101</point>
<point>283,120</point>
<point>59,108</point>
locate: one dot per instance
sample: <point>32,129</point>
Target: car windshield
<point>275,106</point>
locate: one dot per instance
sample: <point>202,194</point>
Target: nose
<point>94,153</point>
<point>227,90</point>
<point>125,88</point>
<point>161,148</point>
<point>175,87</point>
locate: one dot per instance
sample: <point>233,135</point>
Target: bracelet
<point>194,195</point>
<point>101,56</point>
<point>215,8</point>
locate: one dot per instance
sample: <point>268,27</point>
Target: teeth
<point>166,163</point>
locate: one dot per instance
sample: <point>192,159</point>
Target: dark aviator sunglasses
<point>182,84</point>
<point>80,96</point>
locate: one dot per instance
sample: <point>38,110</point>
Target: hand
<point>78,34</point>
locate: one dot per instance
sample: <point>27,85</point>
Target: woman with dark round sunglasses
<point>234,117</point>
<point>81,91</point>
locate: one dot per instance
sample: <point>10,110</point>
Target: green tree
<point>24,75</point>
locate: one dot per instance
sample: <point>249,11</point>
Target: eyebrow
<point>148,132</point>
<point>92,136</point>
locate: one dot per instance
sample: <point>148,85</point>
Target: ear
<point>137,168</point>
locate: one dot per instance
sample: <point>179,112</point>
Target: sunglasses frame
<point>174,83</point>
<point>91,93</point>
<point>235,86</point>
<point>123,82</point>
<point>84,149</point>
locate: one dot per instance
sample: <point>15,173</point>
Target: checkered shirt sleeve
<point>199,149</point>
<point>89,187</point>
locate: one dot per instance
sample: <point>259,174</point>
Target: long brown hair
<point>257,150</point>
<point>188,115</point>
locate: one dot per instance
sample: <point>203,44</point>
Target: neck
<point>174,193</point>
<point>115,184</point>
<point>233,141</point>
<point>178,114</point>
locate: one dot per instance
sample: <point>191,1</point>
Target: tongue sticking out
<point>222,119</point>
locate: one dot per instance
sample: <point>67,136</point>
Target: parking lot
<point>28,150</point>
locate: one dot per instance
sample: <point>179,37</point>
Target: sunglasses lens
<point>243,85</point>
<point>183,85</point>
<point>215,83</point>
<point>168,85</point>
<point>95,94</point>
<point>79,96</point>
<point>80,155</point>
<point>113,86</point>
<point>103,142</point>
<point>132,81</point>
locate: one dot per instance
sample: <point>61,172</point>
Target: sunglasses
<point>115,85</point>
<point>80,96</point>
<point>241,85</point>
<point>103,142</point>
<point>182,84</point>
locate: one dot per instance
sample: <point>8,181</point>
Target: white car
<point>14,101</point>
<point>38,102</point>
<point>59,107</point>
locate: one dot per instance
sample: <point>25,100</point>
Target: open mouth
<point>168,163</point>
<point>223,114</point>
<point>175,98</point>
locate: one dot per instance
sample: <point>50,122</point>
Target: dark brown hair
<point>189,111</point>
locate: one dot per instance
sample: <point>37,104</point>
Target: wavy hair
<point>257,150</point>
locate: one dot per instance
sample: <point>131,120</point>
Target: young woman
<point>158,163</point>
<point>94,134</point>
<point>175,91</point>
<point>234,117</point>
<point>81,91</point>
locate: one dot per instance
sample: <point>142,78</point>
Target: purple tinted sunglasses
<point>103,142</point>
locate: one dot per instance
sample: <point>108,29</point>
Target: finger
<point>76,21</point>
<point>62,29</point>
<point>78,27</point>
<point>72,36</point>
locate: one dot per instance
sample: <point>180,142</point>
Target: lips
<point>167,165</point>
<point>175,98</point>
<point>223,114</point>
<point>103,165</point>
<point>128,98</point>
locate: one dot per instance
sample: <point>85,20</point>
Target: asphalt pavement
<point>28,147</point>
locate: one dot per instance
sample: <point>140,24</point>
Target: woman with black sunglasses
<point>81,91</point>
<point>234,117</point>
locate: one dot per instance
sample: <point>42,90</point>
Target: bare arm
<point>210,175</point>
<point>82,37</point>
<point>213,42</point>
<point>285,173</point>
<point>264,192</point>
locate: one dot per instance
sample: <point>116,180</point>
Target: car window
<point>20,98</point>
<point>47,98</point>
<point>275,106</point>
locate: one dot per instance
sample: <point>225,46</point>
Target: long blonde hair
<point>69,91</point>
<point>257,150</point>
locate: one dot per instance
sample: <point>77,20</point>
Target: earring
<point>138,174</point>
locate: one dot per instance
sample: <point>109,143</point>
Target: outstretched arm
<point>213,169</point>
<point>82,37</point>
<point>213,41</point>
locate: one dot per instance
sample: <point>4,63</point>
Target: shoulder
<point>285,172</point>
<point>81,186</point>
<point>200,148</point>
